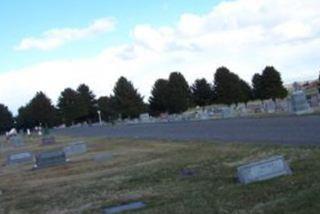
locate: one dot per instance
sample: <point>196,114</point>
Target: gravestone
<point>16,141</point>
<point>48,140</point>
<point>50,158</point>
<point>263,170</point>
<point>299,103</point>
<point>19,158</point>
<point>124,208</point>
<point>75,149</point>
<point>103,157</point>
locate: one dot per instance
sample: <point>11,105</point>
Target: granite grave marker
<point>19,158</point>
<point>263,170</point>
<point>50,158</point>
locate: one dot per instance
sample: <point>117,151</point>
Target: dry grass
<point>149,171</point>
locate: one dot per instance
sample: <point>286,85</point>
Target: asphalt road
<point>279,130</point>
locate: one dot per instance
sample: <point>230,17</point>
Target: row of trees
<point>172,95</point>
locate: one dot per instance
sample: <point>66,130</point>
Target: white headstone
<point>263,170</point>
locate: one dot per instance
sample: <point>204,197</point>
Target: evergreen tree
<point>6,119</point>
<point>107,107</point>
<point>159,96</point>
<point>272,86</point>
<point>246,92</point>
<point>227,86</point>
<point>202,93</point>
<point>39,111</point>
<point>128,102</point>
<point>69,106</point>
<point>88,104</point>
<point>178,93</point>
<point>257,86</point>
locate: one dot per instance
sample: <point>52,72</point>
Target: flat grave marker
<point>48,140</point>
<point>263,170</point>
<point>103,157</point>
<point>19,158</point>
<point>124,208</point>
<point>75,149</point>
<point>50,158</point>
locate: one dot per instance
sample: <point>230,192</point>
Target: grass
<point>149,171</point>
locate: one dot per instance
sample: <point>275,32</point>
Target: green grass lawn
<point>149,171</point>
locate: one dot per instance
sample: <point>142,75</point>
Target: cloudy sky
<point>53,44</point>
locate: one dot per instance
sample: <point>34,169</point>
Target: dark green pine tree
<point>6,119</point>
<point>88,104</point>
<point>246,92</point>
<point>257,87</point>
<point>41,111</point>
<point>227,86</point>
<point>179,95</point>
<point>128,102</point>
<point>272,85</point>
<point>158,99</point>
<point>107,107</point>
<point>202,93</point>
<point>69,106</point>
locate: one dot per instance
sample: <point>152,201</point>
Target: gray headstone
<point>75,149</point>
<point>48,140</point>
<point>16,141</point>
<point>103,157</point>
<point>124,208</point>
<point>299,102</point>
<point>19,158</point>
<point>263,170</point>
<point>50,158</point>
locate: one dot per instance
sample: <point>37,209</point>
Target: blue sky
<point>19,19</point>
<point>50,45</point>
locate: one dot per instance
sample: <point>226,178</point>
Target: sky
<point>49,45</point>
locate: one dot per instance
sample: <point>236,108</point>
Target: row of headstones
<point>253,172</point>
<point>17,140</point>
<point>48,158</point>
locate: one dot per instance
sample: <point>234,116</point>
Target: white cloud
<point>244,35</point>
<point>55,38</point>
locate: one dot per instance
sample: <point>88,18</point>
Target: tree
<point>6,119</point>
<point>227,86</point>
<point>178,93</point>
<point>272,85</point>
<point>39,111</point>
<point>128,102</point>
<point>202,93</point>
<point>107,107</point>
<point>88,104</point>
<point>257,86</point>
<point>159,95</point>
<point>69,106</point>
<point>246,92</point>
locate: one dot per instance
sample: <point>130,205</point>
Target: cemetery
<point>154,176</point>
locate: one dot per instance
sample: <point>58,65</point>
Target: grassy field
<point>150,171</point>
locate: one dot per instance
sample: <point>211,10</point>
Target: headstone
<point>50,158</point>
<point>270,106</point>
<point>48,140</point>
<point>300,104</point>
<point>103,157</point>
<point>19,158</point>
<point>124,208</point>
<point>75,149</point>
<point>16,141</point>
<point>263,170</point>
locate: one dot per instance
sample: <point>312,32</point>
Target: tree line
<point>172,95</point>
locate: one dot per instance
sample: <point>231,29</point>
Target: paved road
<point>283,130</point>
